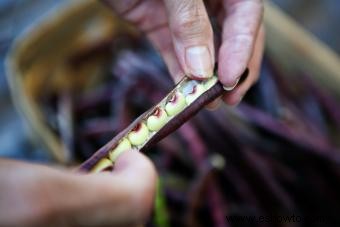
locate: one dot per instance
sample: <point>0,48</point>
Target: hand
<point>182,32</point>
<point>35,195</point>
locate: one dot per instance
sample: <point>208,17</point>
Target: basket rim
<point>26,108</point>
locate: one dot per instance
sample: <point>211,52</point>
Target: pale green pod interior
<point>104,163</point>
<point>154,122</point>
<point>139,136</point>
<point>199,89</point>
<point>173,108</point>
<point>149,125</point>
<point>210,83</point>
<point>122,146</point>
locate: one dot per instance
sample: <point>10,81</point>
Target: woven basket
<point>37,62</point>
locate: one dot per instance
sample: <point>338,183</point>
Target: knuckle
<point>191,28</point>
<point>242,42</point>
<point>191,23</point>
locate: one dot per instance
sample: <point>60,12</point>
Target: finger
<point>121,198</point>
<point>240,29</point>
<point>143,14</point>
<point>124,198</point>
<point>192,36</point>
<point>235,96</point>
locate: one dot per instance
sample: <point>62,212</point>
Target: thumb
<point>192,36</point>
<point>35,195</point>
<point>124,197</point>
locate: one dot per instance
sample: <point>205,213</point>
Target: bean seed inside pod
<point>175,104</point>
<point>102,165</point>
<point>210,82</point>
<point>139,134</point>
<point>197,90</point>
<point>122,146</point>
<point>157,120</point>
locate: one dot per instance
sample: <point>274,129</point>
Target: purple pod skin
<point>174,123</point>
<point>208,96</point>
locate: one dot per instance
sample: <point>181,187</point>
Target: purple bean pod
<point>183,102</point>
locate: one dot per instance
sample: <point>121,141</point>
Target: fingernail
<point>199,61</point>
<point>231,87</point>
